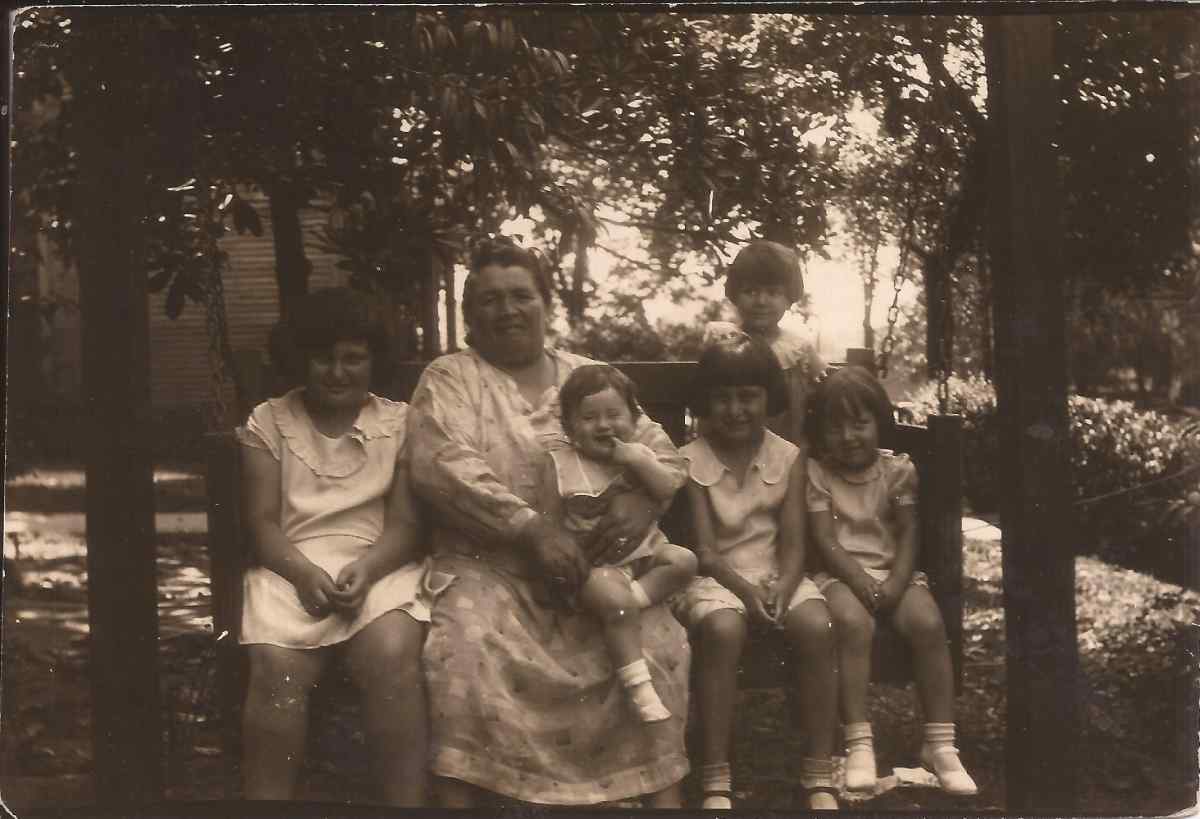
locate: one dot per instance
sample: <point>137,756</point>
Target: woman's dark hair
<point>323,318</point>
<point>589,380</point>
<point>842,394</point>
<point>765,263</point>
<point>503,252</point>
<point>735,362</point>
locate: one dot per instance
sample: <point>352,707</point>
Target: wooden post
<point>1039,591</point>
<point>111,91</point>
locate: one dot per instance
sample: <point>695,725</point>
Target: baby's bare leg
<point>606,595</point>
<point>673,568</point>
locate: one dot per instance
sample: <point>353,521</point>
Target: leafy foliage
<point>1124,464</point>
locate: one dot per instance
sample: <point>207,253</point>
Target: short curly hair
<point>504,252</point>
<point>742,360</point>
<point>319,321</point>
<point>845,392</point>
<point>769,263</point>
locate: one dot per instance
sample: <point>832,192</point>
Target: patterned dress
<point>523,698</point>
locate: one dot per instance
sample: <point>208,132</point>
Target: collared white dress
<point>745,522</point>
<point>332,502</point>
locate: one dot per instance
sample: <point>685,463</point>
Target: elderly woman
<point>523,697</point>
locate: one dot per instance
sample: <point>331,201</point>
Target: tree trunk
<point>112,96</point>
<point>939,318</point>
<point>579,275</point>
<point>431,266</point>
<point>451,311</point>
<point>292,267</point>
<point>1042,743</point>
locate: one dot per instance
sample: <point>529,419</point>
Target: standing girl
<point>762,284</point>
<point>747,499</point>
<point>862,507</point>
<point>339,571</point>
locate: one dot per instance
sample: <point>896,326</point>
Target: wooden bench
<point>936,450</point>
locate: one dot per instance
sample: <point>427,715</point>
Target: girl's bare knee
<point>724,631</point>
<point>810,628</point>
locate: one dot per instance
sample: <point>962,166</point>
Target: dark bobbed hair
<point>322,319</point>
<point>735,362</point>
<point>846,391</point>
<point>503,252</point>
<point>589,380</point>
<point>769,263</point>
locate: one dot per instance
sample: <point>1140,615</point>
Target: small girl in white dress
<point>599,408</point>
<point>746,495</point>
<point>862,506</point>
<point>339,561</point>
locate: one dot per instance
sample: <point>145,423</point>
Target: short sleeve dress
<point>746,524</point>
<point>332,510</point>
<point>864,506</point>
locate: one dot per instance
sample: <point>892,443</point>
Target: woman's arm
<point>449,471</point>
<point>261,501</point>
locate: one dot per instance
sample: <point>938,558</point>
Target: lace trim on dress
<point>379,418</point>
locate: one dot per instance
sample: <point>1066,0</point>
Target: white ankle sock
<point>860,757</point>
<point>939,755</point>
<point>635,678</point>
<point>715,784</point>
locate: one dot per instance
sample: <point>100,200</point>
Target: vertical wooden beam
<point>111,92</point>
<point>1039,589</point>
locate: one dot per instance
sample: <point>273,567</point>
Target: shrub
<point>1113,446</point>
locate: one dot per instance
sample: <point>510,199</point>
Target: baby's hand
<point>626,453</point>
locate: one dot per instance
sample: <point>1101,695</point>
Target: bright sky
<point>834,288</point>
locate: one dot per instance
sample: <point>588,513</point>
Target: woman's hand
<point>629,517</point>
<point>351,586</point>
<point>316,590</point>
<point>562,562</point>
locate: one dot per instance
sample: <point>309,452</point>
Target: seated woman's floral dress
<point>523,697</point>
<point>332,510</point>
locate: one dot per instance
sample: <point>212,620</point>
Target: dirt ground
<point>1137,641</point>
